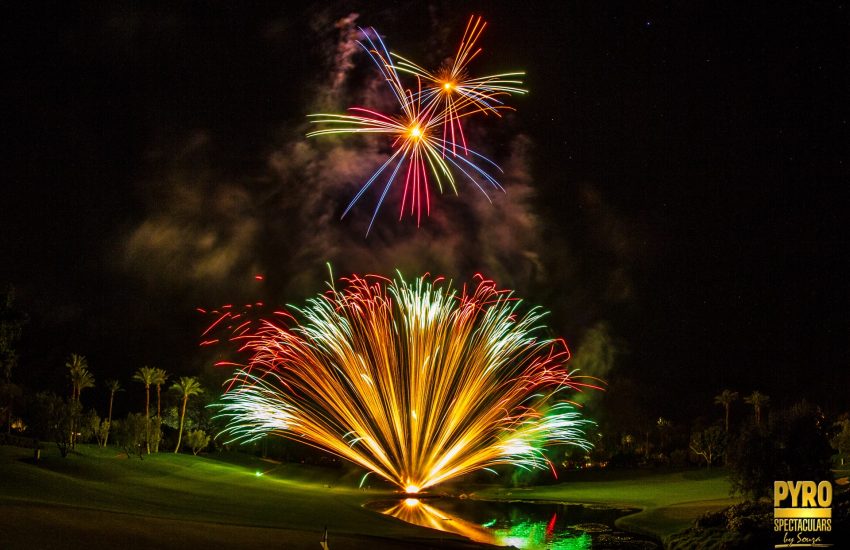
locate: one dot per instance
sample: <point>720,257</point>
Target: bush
<point>805,452</point>
<point>679,458</point>
<point>711,519</point>
<point>155,437</point>
<point>794,446</point>
<point>197,440</point>
<point>51,421</point>
<point>130,433</point>
<point>91,427</point>
<point>741,526</point>
<point>752,463</point>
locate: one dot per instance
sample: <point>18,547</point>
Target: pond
<point>521,524</point>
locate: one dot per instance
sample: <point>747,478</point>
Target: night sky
<point>678,172</point>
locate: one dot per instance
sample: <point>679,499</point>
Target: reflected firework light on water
<point>416,381</point>
<point>422,513</point>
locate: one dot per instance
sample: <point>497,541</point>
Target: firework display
<point>456,93</point>
<point>425,135</point>
<point>414,381</point>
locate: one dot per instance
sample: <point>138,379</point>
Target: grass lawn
<point>98,498</point>
<point>669,502</point>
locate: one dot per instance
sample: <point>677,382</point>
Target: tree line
<point>64,421</point>
<point>47,416</point>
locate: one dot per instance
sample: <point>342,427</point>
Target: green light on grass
<point>490,523</point>
<point>258,473</point>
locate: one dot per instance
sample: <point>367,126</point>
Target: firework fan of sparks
<point>426,135</point>
<point>414,381</point>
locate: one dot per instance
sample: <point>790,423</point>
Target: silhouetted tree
<point>81,378</point>
<point>131,433</point>
<point>793,446</point>
<point>709,444</point>
<point>664,428</point>
<point>114,387</point>
<point>52,420</point>
<point>10,396</point>
<point>841,441</point>
<point>187,386</point>
<point>726,398</point>
<point>11,325</point>
<point>92,427</point>
<point>758,400</point>
<point>197,440</point>
<point>803,443</point>
<point>752,462</point>
<point>159,378</point>
<point>146,376</point>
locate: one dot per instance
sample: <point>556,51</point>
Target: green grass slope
<point>98,498</point>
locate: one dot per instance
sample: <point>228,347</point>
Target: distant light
<point>411,502</point>
<point>411,489</point>
<point>258,473</point>
<point>259,277</point>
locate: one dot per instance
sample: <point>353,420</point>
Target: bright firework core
<point>416,132</point>
<point>416,382</point>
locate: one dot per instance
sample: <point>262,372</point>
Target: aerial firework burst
<point>426,126</point>
<point>456,93</point>
<point>416,382</point>
<point>417,149</point>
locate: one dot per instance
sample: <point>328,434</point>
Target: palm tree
<point>664,427</point>
<point>726,398</point>
<point>757,400</point>
<point>187,386</point>
<point>114,386</point>
<point>86,380</point>
<point>76,364</point>
<point>81,379</point>
<point>159,378</point>
<point>145,375</point>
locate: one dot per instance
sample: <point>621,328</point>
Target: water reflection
<point>415,511</point>
<point>525,534</point>
<point>539,534</point>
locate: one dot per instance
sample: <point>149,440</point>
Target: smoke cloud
<point>206,235</point>
<point>204,232</point>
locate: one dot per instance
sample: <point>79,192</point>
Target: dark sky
<point>688,164</point>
